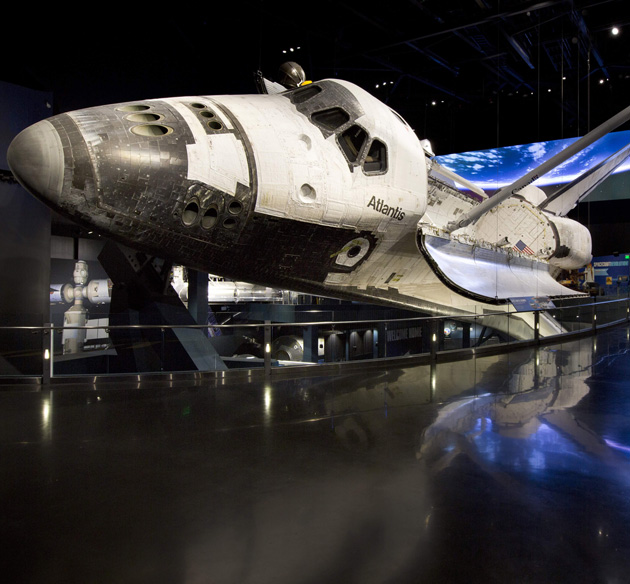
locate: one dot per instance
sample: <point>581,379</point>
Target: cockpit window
<point>376,159</point>
<point>330,119</point>
<point>352,141</point>
<point>305,93</point>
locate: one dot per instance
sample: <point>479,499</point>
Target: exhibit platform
<point>497,468</point>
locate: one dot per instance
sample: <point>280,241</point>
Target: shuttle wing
<point>548,165</point>
<point>569,195</point>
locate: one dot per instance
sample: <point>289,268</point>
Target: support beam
<point>198,296</point>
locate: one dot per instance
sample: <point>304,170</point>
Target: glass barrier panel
<point>82,351</point>
<point>103,348</point>
<point>584,316</point>
<point>611,311</point>
<point>296,345</point>
<point>603,312</point>
<point>496,328</point>
<point>451,335</point>
<point>570,315</point>
<point>560,319</point>
<point>239,346</point>
<point>22,351</point>
<point>621,309</point>
<point>456,333</point>
<point>335,345</point>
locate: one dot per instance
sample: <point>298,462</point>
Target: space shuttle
<point>315,187</point>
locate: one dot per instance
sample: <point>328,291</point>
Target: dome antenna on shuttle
<point>291,75</point>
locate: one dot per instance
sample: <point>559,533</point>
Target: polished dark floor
<point>498,469</point>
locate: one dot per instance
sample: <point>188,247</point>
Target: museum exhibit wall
<point>24,241</point>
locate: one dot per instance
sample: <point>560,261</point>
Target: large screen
<point>495,168</point>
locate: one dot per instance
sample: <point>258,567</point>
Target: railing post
<point>432,380</point>
<point>162,347</point>
<point>267,343</point>
<point>466,335</point>
<point>537,368</point>
<point>384,341</point>
<point>47,351</point>
<point>434,339</point>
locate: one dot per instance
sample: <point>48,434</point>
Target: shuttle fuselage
<point>321,189</point>
<point>278,189</point>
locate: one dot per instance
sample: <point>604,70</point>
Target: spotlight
<point>614,31</point>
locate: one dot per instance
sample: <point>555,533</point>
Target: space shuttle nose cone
<point>35,157</point>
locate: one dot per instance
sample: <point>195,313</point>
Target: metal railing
<point>268,348</point>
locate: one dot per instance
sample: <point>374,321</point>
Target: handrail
<point>428,348</point>
<point>457,316</point>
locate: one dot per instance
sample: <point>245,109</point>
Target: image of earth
<point>495,168</point>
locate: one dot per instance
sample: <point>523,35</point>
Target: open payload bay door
<point>487,274</point>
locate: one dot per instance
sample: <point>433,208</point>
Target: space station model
<point>94,291</point>
<point>315,187</point>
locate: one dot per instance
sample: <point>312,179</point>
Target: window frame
<point>384,167</point>
<point>345,147</point>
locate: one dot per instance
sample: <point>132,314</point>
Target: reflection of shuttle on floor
<point>513,397</point>
<point>531,402</point>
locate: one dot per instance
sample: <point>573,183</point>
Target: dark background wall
<point>24,241</point>
<point>606,212</point>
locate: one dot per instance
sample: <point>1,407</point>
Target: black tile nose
<point>35,157</point>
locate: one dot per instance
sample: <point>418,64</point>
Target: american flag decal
<point>523,247</point>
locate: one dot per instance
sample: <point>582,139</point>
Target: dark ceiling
<point>482,73</point>
<point>469,74</point>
